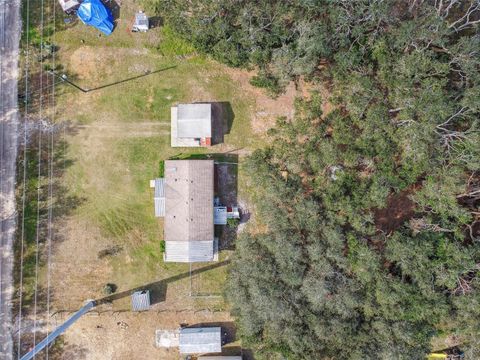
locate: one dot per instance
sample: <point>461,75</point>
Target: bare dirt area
<point>268,109</point>
<point>127,336</point>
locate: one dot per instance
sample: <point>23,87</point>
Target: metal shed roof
<point>159,197</point>
<point>194,121</point>
<point>189,251</point>
<point>220,215</point>
<point>200,340</point>
<point>141,300</point>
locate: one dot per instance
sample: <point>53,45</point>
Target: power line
<point>2,132</point>
<point>39,177</point>
<point>22,245</point>
<point>50,191</point>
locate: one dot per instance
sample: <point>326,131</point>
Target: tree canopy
<point>371,212</point>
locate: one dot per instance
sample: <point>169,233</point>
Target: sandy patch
<point>268,109</point>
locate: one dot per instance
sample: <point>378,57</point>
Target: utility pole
<point>59,330</point>
<point>64,78</point>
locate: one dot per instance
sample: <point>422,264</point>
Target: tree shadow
<point>158,289</point>
<point>47,200</point>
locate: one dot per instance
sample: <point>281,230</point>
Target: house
<point>184,197</point>
<point>69,6</point>
<point>200,340</point>
<point>191,125</point>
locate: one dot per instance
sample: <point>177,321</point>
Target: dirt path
<point>10,31</point>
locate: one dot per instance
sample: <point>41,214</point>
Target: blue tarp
<point>94,13</point>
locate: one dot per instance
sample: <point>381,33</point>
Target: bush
<point>161,168</point>
<point>109,289</point>
<point>233,222</point>
<point>267,81</point>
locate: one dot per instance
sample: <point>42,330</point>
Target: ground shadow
<point>226,189</point>
<point>158,289</point>
<point>222,120</point>
<point>114,9</point>
<point>155,21</point>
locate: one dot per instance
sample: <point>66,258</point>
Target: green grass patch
<point>173,45</point>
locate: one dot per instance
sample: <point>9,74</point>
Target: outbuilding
<point>141,22</point>
<point>200,340</point>
<point>141,300</point>
<point>69,6</point>
<point>191,125</point>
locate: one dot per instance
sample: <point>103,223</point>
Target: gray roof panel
<point>159,197</point>
<point>200,340</point>
<point>194,121</point>
<point>189,251</point>
<point>141,300</point>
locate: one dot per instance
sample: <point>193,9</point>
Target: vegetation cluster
<point>371,211</point>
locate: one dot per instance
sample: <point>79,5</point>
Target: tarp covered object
<point>94,13</point>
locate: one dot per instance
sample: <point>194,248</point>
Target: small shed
<point>191,125</point>
<point>200,340</point>
<point>220,215</point>
<point>141,300</point>
<point>69,6</point>
<point>141,22</point>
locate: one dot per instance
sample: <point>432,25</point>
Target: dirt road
<point>9,39</point>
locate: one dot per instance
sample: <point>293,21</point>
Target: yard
<point>114,139</point>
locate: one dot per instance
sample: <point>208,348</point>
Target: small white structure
<point>167,338</point>
<point>141,22</point>
<point>191,125</point>
<point>200,340</point>
<point>69,6</point>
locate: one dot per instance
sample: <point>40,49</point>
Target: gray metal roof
<point>141,300</point>
<point>200,340</point>
<point>159,197</point>
<point>189,251</point>
<point>220,215</point>
<point>194,121</point>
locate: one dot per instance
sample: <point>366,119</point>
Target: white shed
<point>200,340</point>
<point>69,5</point>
